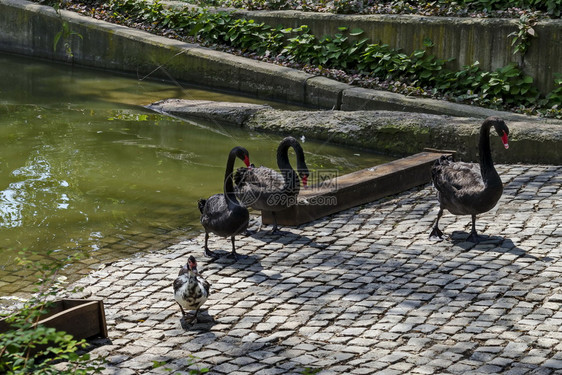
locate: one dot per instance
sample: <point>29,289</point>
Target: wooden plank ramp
<point>357,188</point>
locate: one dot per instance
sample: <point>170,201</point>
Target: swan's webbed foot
<point>473,237</point>
<point>186,318</point>
<point>436,234</point>
<point>233,253</point>
<point>249,233</point>
<point>211,254</point>
<point>278,232</point>
<point>234,256</point>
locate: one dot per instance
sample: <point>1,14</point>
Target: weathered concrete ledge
<point>390,132</point>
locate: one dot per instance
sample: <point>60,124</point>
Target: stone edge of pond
<point>119,48</point>
<point>389,132</point>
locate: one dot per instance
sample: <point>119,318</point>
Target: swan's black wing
<point>261,178</point>
<point>460,187</point>
<point>224,217</point>
<point>214,208</point>
<point>177,284</point>
<point>459,176</point>
<point>257,184</point>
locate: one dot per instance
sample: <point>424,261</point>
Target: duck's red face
<point>192,265</point>
<point>505,140</point>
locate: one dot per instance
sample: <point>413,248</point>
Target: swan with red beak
<point>265,189</point>
<point>468,188</point>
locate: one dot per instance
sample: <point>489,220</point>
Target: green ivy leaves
<point>507,87</point>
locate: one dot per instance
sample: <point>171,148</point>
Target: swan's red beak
<point>247,161</point>
<point>504,140</point>
<point>304,179</point>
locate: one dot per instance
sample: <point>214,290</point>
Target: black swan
<point>468,188</point>
<point>222,214</point>
<point>265,189</point>
<point>191,290</point>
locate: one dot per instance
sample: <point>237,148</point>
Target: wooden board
<point>357,188</point>
<point>80,318</point>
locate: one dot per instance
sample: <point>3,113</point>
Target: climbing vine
<point>65,34</point>
<point>526,30</point>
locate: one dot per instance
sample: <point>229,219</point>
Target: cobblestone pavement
<point>360,292</point>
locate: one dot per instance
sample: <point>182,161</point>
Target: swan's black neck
<point>283,161</point>
<point>487,168</point>
<point>228,184</point>
<point>283,153</point>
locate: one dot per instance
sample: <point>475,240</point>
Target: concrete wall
<point>465,39</point>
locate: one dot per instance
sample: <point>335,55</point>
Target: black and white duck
<point>468,188</point>
<point>191,290</point>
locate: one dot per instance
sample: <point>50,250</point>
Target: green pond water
<point>85,168</point>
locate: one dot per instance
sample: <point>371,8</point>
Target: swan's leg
<point>436,232</point>
<point>233,253</point>
<point>275,229</point>
<point>209,253</point>
<point>473,237</point>
<point>249,232</point>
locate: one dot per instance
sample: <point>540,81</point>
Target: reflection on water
<point>83,167</point>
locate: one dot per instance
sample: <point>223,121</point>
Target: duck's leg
<point>473,237</point>
<point>436,233</point>
<point>209,253</point>
<point>182,310</point>
<point>233,254</point>
<point>194,319</point>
